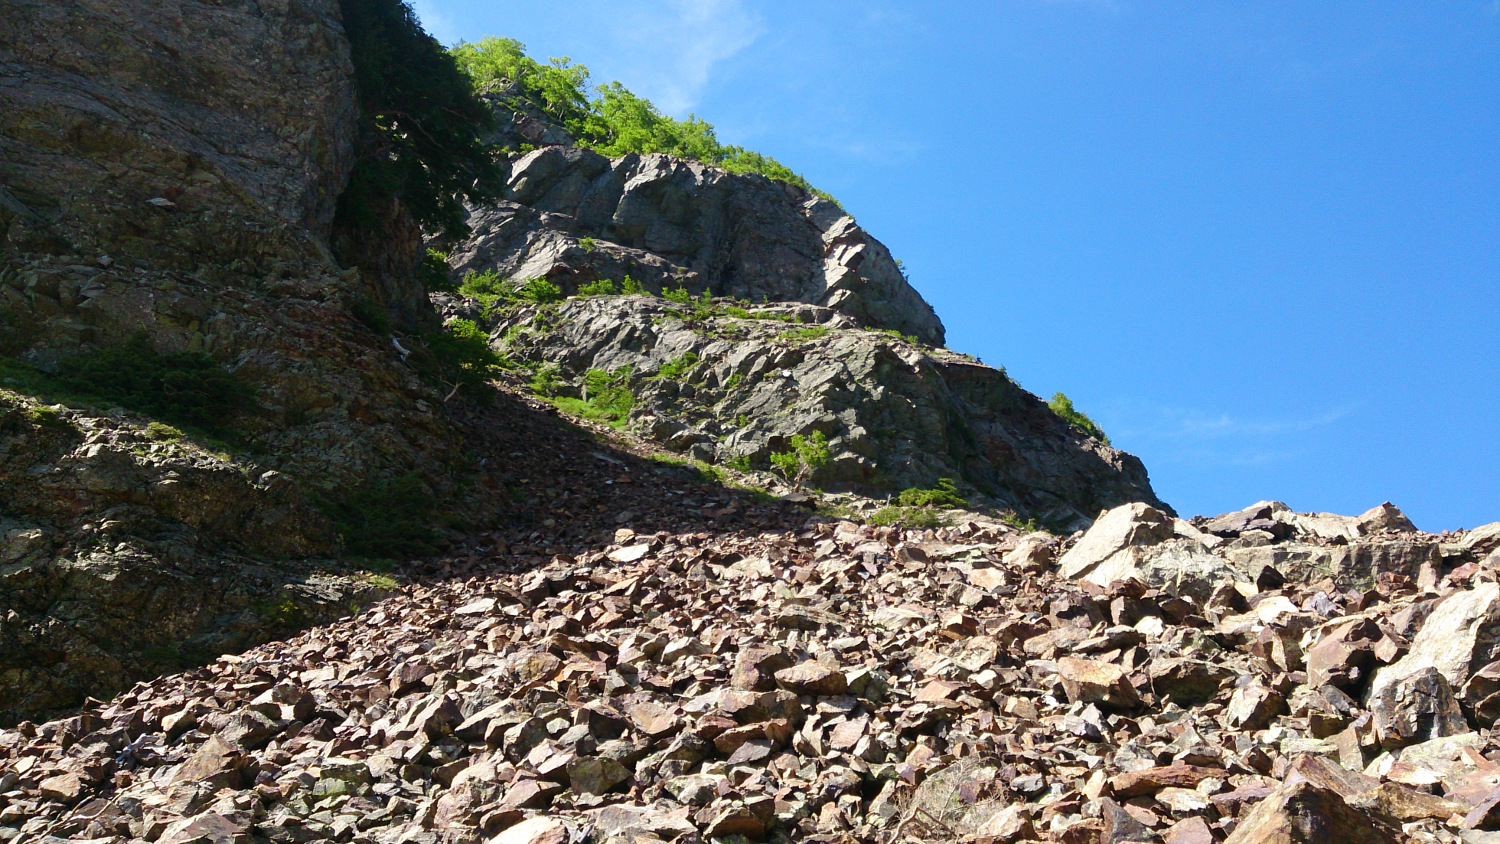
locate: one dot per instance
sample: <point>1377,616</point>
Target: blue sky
<point>1259,242</point>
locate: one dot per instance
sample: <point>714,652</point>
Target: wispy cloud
<point>672,47</point>
<point>437,24</point>
<point>1207,438</point>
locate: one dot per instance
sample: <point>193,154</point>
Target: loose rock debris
<point>837,683</point>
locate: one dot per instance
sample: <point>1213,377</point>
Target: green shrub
<point>740,462</point>
<point>944,494</point>
<point>606,397</point>
<point>602,287</point>
<point>184,388</point>
<point>540,291</point>
<point>417,136</point>
<point>1014,519</point>
<point>806,456</point>
<point>433,271</point>
<point>631,287</point>
<point>1063,407</point>
<point>613,121</point>
<point>162,432</point>
<point>915,518</point>
<point>463,351</point>
<point>544,381</point>
<point>387,519</point>
<point>676,368</point>
<point>587,244</point>
<point>372,315</point>
<point>679,296</point>
<point>737,312</point>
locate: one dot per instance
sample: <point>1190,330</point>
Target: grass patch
<point>812,332</point>
<point>677,368</point>
<point>916,518</point>
<point>944,494</point>
<point>606,398</point>
<point>602,287</point>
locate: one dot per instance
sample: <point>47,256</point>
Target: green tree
<point>419,122</point>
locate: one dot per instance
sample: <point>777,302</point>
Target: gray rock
<point>1419,707</point>
<point>1461,636</point>
<point>896,415</point>
<point>1121,528</point>
<point>667,221</point>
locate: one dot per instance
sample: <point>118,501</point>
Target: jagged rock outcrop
<point>896,414</point>
<point>573,216</point>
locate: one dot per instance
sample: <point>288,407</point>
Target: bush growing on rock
<point>1063,407</point>
<point>943,494</point>
<point>806,457</point>
<point>614,121</point>
<point>184,388</point>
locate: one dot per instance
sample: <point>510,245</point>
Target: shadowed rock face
<point>183,131</point>
<point>672,222</point>
<point>171,169</point>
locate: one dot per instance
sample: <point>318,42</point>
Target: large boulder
<point>1137,541</point>
<point>1460,637</point>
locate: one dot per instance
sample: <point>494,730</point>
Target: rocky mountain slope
<point>833,682</point>
<point>227,417</point>
<point>801,323</point>
<point>733,385</point>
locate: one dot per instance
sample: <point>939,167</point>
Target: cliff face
<point>182,131</point>
<point>170,170</point>
<point>573,216</point>
<point>733,388</point>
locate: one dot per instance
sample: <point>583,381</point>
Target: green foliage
<point>1014,519</point>
<point>944,494</point>
<point>631,287</point>
<point>740,462</point>
<point>371,315</point>
<point>433,271</point>
<point>387,519</point>
<point>806,456</point>
<point>737,312</point>
<point>676,368</point>
<point>419,123</point>
<point>606,397</point>
<point>679,296</point>
<point>602,287</point>
<point>812,332</point>
<point>614,121</point>
<point>162,432</point>
<point>463,351</point>
<point>1063,407</point>
<point>587,244</point>
<point>540,291</point>
<point>183,388</point>
<point>915,518</point>
<point>544,381</point>
<point>281,615</point>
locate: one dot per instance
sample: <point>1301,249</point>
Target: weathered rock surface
<point>896,415</point>
<point>670,222</point>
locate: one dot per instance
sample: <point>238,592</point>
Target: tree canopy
<point>420,121</point>
<point>610,119</point>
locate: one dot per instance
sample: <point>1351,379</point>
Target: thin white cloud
<point>437,24</point>
<point>671,47</point>
<point>1202,438</point>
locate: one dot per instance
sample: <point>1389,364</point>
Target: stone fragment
<point>1117,530</point>
<point>1253,706</point>
<point>538,830</point>
<point>1102,683</point>
<point>1187,681</point>
<point>1458,639</point>
<point>1416,708</point>
<point>812,678</point>
<point>755,668</point>
<point>65,788</point>
<point>653,719</point>
<point>1304,813</point>
<point>1151,780</point>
